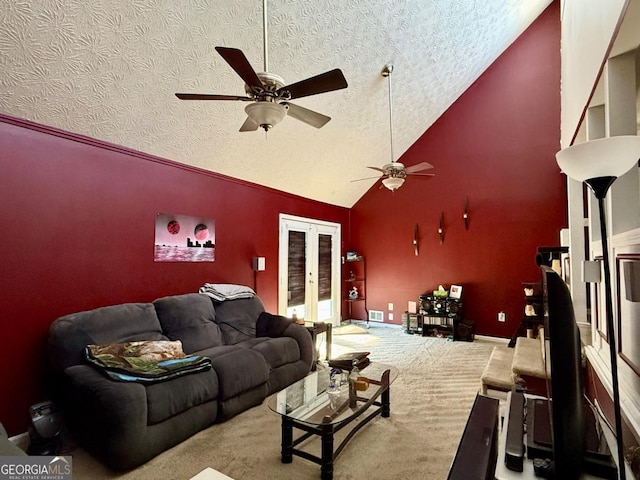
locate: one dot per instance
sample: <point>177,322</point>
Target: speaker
<point>454,307</point>
<point>426,304</point>
<point>464,331</point>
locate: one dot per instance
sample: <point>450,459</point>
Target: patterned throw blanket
<point>145,361</point>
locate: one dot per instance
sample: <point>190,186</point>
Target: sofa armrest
<point>305,342</point>
<point>101,405</point>
<point>269,325</point>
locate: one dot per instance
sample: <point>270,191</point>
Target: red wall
<point>78,217</point>
<point>496,145</point>
<point>78,221</point>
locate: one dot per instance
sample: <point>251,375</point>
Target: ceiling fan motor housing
<point>395,170</point>
<point>270,85</point>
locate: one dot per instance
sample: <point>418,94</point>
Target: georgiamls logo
<point>36,467</point>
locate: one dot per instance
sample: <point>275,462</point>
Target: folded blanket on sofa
<point>226,291</point>
<point>144,361</point>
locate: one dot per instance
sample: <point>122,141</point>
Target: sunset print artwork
<point>183,238</point>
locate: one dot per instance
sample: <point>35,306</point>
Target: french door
<point>309,269</point>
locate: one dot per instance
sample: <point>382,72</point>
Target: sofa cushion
<point>190,319</point>
<point>276,351</point>
<point>239,371</point>
<point>166,399</point>
<point>237,318</point>
<point>69,335</point>
<point>214,352</point>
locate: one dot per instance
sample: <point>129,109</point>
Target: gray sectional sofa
<point>253,354</point>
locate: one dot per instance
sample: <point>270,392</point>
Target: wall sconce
<point>465,215</point>
<point>441,228</point>
<point>591,271</point>
<point>259,264</point>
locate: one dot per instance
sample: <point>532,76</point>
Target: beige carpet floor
<point>430,402</point>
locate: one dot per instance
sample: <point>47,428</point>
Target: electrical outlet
<point>390,306</point>
<point>390,317</point>
<point>502,317</point>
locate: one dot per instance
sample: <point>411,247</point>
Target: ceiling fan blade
<point>307,116</point>
<point>203,96</point>
<point>418,166</point>
<point>378,169</point>
<point>325,82</point>
<point>241,65</point>
<point>249,126</point>
<point>421,174</point>
<point>367,178</point>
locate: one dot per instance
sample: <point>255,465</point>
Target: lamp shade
<point>604,157</point>
<point>266,114</point>
<point>393,183</point>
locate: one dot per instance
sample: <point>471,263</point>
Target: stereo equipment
<point>441,316</point>
<point>433,305</point>
<point>411,322</point>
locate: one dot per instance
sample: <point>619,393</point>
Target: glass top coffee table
<point>306,405</point>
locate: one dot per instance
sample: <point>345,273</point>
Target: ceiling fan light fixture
<point>266,114</point>
<point>393,183</point>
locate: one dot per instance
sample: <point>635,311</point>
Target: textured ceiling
<point>109,69</point>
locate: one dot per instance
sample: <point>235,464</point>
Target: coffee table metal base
<point>326,433</point>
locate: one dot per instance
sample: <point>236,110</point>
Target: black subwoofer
<point>464,331</point>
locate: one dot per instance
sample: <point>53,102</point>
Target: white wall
<point>588,27</point>
<point>602,37</point>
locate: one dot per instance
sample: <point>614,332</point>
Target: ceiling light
<point>393,183</point>
<point>266,114</point>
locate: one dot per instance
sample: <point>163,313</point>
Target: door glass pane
<point>296,292</point>
<point>325,303</point>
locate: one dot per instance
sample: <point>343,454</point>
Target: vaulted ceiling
<point>109,69</point>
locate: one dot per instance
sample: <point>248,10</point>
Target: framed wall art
<point>183,238</point>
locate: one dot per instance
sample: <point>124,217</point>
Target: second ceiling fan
<point>394,173</point>
<point>269,95</point>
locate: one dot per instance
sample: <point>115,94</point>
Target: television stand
<point>599,461</point>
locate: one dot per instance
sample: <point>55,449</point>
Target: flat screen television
<point>576,446</point>
<point>566,385</point>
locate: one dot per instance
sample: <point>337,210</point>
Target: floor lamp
<point>598,163</point>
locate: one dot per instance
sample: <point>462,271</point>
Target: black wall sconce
<point>465,215</point>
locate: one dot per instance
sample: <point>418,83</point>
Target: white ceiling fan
<point>269,95</point>
<point>395,173</point>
